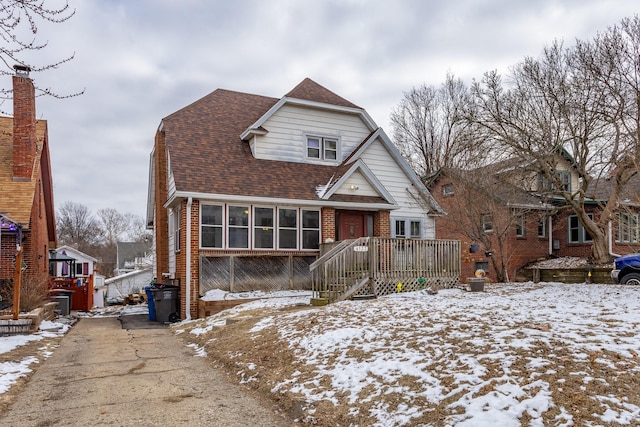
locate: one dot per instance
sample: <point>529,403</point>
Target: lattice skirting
<point>391,285</point>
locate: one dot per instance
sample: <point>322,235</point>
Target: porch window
<point>322,148</point>
<point>310,229</point>
<point>263,228</point>
<point>577,233</point>
<point>400,229</point>
<point>287,229</point>
<point>211,226</point>
<point>238,227</point>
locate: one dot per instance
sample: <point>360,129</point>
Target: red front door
<point>351,225</point>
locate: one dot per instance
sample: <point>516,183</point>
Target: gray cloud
<point>141,61</point>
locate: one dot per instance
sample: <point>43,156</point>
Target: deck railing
<point>381,266</point>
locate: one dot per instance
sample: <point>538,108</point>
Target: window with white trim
<point>577,233</point>
<point>322,148</point>
<point>406,228</point>
<point>176,228</point>
<point>238,227</point>
<point>542,227</point>
<point>287,228</point>
<point>520,226</point>
<point>447,189</point>
<point>486,221</point>
<point>211,226</point>
<point>263,228</point>
<point>259,227</point>
<point>628,228</point>
<point>310,229</point>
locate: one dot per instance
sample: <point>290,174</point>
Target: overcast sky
<point>141,60</point>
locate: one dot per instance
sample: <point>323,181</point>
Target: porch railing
<point>381,266</point>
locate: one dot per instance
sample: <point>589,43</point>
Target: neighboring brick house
<point>505,220</point>
<point>26,190</point>
<point>244,188</point>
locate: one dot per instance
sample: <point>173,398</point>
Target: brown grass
<point>262,360</point>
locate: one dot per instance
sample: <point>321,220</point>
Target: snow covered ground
<point>11,371</point>
<point>516,354</point>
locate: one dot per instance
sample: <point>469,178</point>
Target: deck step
<point>363,297</point>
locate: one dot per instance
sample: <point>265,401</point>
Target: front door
<point>351,225</point>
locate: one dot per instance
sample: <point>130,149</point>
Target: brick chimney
<point>24,124</point>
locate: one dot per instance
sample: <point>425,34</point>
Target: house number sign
<point>361,248</point>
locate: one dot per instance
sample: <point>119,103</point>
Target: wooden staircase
<point>341,272</point>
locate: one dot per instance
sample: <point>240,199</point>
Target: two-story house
<point>509,215</point>
<point>244,188</point>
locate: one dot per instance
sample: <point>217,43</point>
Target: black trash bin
<point>165,300</point>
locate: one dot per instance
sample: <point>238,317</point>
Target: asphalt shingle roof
<point>208,156</point>
<point>16,197</point>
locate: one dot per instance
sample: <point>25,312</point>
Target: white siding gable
<point>392,177</point>
<point>288,127</point>
<point>357,184</point>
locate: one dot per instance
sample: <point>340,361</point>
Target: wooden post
<point>17,278</point>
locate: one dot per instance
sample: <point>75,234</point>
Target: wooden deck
<point>375,266</point>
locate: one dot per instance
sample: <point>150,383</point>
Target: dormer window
<point>322,148</point>
<point>564,177</point>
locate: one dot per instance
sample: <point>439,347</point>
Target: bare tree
<point>77,226</point>
<point>486,212</point>
<point>19,25</point>
<point>114,225</point>
<point>578,104</point>
<point>430,127</point>
<point>137,230</point>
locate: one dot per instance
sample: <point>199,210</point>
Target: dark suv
<point>627,270</point>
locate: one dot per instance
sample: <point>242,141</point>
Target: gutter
<point>187,297</point>
<point>217,198</point>
<point>550,228</point>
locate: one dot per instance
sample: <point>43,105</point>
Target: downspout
<point>611,241</point>
<point>187,297</point>
<point>550,228</point>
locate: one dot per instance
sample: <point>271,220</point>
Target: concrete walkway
<point>105,375</point>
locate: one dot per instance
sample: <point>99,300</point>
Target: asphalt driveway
<point>104,374</point>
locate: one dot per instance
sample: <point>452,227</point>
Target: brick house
<point>505,220</point>
<point>244,188</point>
<point>26,191</point>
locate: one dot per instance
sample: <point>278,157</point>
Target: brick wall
<point>512,253</point>
<point>328,224</point>
<point>36,250</point>
<point>382,224</point>
<point>24,128</point>
<point>161,224</point>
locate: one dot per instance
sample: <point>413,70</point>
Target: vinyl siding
<point>289,125</point>
<point>378,159</point>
